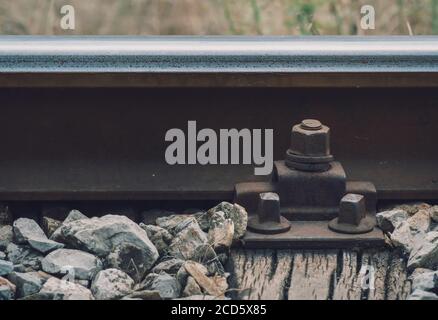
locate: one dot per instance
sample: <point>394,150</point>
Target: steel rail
<point>191,54</point>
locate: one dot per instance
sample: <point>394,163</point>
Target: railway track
<point>87,116</point>
<point>85,121</point>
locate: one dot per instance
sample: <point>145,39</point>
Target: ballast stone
<point>56,289</point>
<point>422,295</point>
<point>133,260</point>
<point>170,223</point>
<point>101,236</point>
<point>27,231</point>
<point>170,266</point>
<point>160,237</point>
<point>424,279</point>
<point>413,207</point>
<point>389,220</point>
<point>407,238</point>
<point>74,215</point>
<point>426,254</point>
<point>165,284</point>
<point>188,239</point>
<point>81,265</point>
<point>216,285</point>
<point>236,213</point>
<point>143,295</point>
<point>221,231</point>
<point>50,225</point>
<point>6,267</point>
<point>192,288</point>
<point>111,284</point>
<point>24,255</point>
<point>420,221</point>
<point>7,289</point>
<point>28,283</point>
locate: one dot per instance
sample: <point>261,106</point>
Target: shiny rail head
<point>218,54</point>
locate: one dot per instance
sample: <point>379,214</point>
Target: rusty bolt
<point>352,209</point>
<point>310,138</point>
<point>268,219</point>
<point>352,217</point>
<point>269,207</point>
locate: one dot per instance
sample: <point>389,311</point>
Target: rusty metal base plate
<point>312,234</point>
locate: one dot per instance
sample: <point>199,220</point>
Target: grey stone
<point>203,220</point>
<point>28,231</point>
<point>207,256</point>
<point>111,284</point>
<point>6,236</point>
<point>192,288</point>
<point>28,283</point>
<point>182,274</point>
<point>84,283</point>
<point>132,259</point>
<point>413,207</point>
<point>389,220</point>
<point>406,238</point>
<point>426,254</point>
<point>221,231</point>
<point>50,225</point>
<point>165,284</point>
<point>79,264</point>
<point>24,255</point>
<point>74,215</point>
<point>215,285</point>
<point>6,267</point>
<point>160,237</point>
<point>7,289</point>
<point>186,242</point>
<point>170,266</point>
<point>424,280</point>
<point>422,295</point>
<point>2,255</point>
<point>21,268</point>
<point>420,221</point>
<point>143,295</point>
<point>101,236</point>
<point>236,213</point>
<point>56,289</point>
<point>170,223</point>
<point>434,214</point>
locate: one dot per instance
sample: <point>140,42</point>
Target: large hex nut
<point>310,138</point>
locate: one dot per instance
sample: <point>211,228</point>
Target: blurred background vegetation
<point>219,17</point>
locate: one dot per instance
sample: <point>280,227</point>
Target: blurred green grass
<point>219,17</point>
